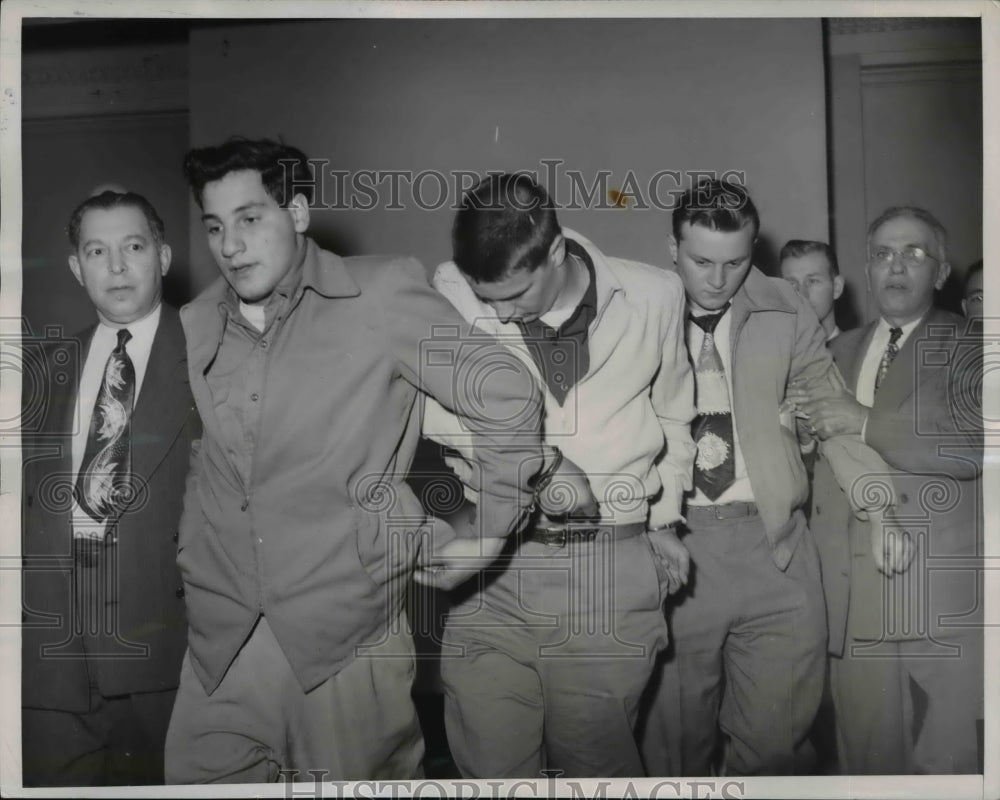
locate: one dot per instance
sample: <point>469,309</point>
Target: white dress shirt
<point>105,340</point>
<point>873,357</point>
<point>740,490</point>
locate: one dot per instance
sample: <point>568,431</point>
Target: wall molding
<point>947,72</point>
<point>846,26</point>
<point>116,80</point>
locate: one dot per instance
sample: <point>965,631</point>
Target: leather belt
<point>580,532</point>
<point>733,510</point>
<point>87,552</point>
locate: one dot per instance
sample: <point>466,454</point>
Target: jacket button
<point>179,592</point>
<point>177,535</point>
<point>31,500</point>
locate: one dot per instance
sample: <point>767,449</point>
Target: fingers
<point>905,551</point>
<point>879,544</point>
<point>442,577</point>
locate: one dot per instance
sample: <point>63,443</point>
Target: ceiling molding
<point>845,26</point>
<point>138,79</point>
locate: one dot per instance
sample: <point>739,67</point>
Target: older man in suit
<point>905,612</point>
<point>104,470</point>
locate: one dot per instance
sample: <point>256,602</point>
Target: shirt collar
<point>883,330</point>
<point>316,269</point>
<point>589,298</point>
<point>142,330</point>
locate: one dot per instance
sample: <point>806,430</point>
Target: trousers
<point>746,671</point>
<point>544,662</point>
<point>259,725</point>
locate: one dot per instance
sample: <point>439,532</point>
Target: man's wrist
<point>552,459</point>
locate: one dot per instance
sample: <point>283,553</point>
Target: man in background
<point>104,629</point>
<point>811,267</point>
<point>299,533</point>
<point>553,651</point>
<point>972,302</point>
<point>905,606</point>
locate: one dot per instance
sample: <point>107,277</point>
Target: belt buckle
<point>559,537</point>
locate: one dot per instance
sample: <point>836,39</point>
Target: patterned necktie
<point>715,464</point>
<point>104,482</point>
<point>888,356</point>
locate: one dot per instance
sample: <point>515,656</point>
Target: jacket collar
<point>607,281</point>
<point>758,293</point>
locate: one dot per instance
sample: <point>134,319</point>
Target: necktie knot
<point>891,351</point>
<point>708,322</point>
<point>124,337</point>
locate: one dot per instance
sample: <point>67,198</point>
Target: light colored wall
<point>64,160</point>
<point>94,115</point>
<point>619,95</point>
<point>907,129</point>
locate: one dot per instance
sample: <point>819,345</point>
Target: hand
<point>804,433</point>
<point>568,494</point>
<point>892,546</point>
<point>798,393</point>
<point>464,471</point>
<point>673,556</point>
<point>456,561</point>
<point>795,420</point>
<point>833,416</point>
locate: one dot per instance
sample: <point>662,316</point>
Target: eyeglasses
<point>909,256</point>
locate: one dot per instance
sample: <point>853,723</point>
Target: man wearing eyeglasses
<point>904,612</point>
<point>972,302</point>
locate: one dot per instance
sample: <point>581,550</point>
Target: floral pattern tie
<point>715,463</point>
<point>105,480</point>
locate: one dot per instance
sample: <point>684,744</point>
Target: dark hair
<point>284,170</point>
<point>913,212</point>
<point>796,248</point>
<point>971,271</point>
<point>108,200</point>
<point>505,223</point>
<point>717,205</point>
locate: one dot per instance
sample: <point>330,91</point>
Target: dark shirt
<point>563,354</point>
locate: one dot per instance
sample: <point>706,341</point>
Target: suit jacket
<point>776,338</point>
<point>143,649</point>
<point>926,423</point>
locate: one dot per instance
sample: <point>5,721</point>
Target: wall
<point>96,114</point>
<point>618,95</point>
<point>906,114</point>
